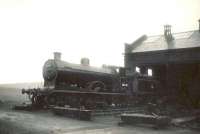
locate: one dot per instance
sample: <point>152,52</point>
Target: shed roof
<point>189,39</point>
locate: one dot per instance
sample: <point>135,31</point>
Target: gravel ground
<point>44,122</point>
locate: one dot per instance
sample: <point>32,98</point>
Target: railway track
<point>115,111</point>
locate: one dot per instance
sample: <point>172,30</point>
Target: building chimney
<point>167,33</point>
<point>167,30</point>
<point>57,56</point>
<point>199,25</point>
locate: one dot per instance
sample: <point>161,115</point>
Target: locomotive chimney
<point>57,56</point>
<point>85,61</point>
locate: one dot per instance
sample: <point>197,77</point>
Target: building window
<point>150,72</point>
<point>137,69</point>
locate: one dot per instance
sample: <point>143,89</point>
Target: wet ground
<point>44,122</point>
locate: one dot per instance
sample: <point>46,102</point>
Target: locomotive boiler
<point>78,85</point>
<point>61,74</point>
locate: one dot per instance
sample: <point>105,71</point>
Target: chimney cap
<point>167,27</point>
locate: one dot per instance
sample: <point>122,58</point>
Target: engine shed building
<point>172,58</point>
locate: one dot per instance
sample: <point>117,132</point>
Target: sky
<point>31,30</point>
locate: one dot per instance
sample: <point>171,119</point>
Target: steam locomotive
<point>79,85</point>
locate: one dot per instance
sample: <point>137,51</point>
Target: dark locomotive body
<point>83,86</point>
<point>78,85</point>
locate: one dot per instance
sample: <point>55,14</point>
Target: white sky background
<point>31,30</point>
